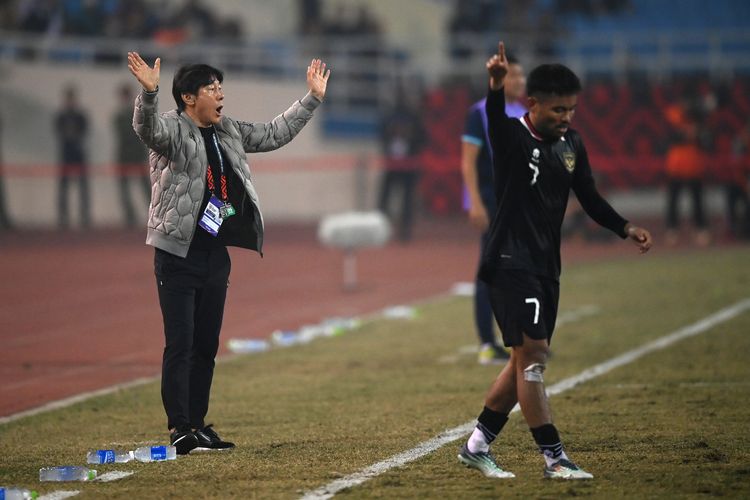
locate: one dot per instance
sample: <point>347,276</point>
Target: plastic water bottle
<point>155,453</point>
<point>67,473</point>
<point>109,457</point>
<point>16,494</point>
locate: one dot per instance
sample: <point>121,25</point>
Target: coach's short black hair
<point>552,79</point>
<point>190,78</point>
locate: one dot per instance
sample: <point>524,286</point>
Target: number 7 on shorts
<point>535,301</point>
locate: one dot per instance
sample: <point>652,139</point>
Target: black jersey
<point>532,180</point>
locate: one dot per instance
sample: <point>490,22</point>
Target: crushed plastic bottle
<point>308,333</point>
<point>67,473</point>
<point>17,494</point>
<point>400,312</point>
<point>285,338</point>
<point>155,453</point>
<point>340,325</point>
<point>109,457</point>
<point>243,346</point>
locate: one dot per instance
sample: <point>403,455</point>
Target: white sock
<point>553,460</point>
<point>477,442</point>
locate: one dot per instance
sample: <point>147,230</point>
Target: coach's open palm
<point>148,77</point>
<point>497,67</point>
<point>317,78</point>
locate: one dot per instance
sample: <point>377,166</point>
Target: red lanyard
<point>210,174</point>
<point>211,185</point>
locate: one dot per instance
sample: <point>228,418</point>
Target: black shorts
<point>524,303</point>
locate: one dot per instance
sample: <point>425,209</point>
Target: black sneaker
<point>208,440</point>
<point>183,441</point>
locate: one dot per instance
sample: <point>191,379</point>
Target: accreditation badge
<point>211,219</point>
<point>227,210</point>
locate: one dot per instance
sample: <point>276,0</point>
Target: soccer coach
<point>202,200</point>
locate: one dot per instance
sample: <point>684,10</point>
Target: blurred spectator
<point>548,33</point>
<point>593,8</point>
<point>351,20</point>
<point>132,155</point>
<point>191,20</point>
<point>229,30</point>
<point>685,168</point>
<point>575,7</point>
<point>131,19</point>
<point>7,14</point>
<point>4,217</point>
<point>83,17</point>
<point>340,24</point>
<point>402,138</point>
<point>197,20</point>
<point>469,17</point>
<point>71,127</point>
<point>310,20</point>
<point>738,186</point>
<point>40,16</point>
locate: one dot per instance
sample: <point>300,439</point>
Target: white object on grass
<point>351,231</point>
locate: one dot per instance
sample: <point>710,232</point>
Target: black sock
<point>548,440</point>
<point>491,423</point>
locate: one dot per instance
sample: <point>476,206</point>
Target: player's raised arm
<point>497,67</point>
<point>497,118</point>
<point>148,77</point>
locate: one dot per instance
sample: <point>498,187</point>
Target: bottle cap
<point>91,475</point>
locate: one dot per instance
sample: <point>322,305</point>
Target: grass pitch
<point>671,424</point>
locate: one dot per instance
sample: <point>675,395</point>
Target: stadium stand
<point>642,61</point>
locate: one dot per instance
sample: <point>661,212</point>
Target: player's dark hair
<point>552,79</point>
<point>190,78</point>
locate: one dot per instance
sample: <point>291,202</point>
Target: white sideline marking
<point>58,495</point>
<point>78,398</point>
<point>564,318</point>
<point>427,447</point>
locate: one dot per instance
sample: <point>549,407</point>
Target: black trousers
<point>127,202</point>
<point>63,187</point>
<point>192,292</point>
<point>483,318</point>
<point>407,179</point>
<point>738,210</point>
<point>695,186</point>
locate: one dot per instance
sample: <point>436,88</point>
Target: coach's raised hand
<point>148,77</point>
<point>317,78</point>
<point>497,67</point>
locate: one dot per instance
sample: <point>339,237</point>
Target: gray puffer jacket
<point>178,165</point>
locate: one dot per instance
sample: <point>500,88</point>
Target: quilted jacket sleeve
<point>258,137</point>
<point>153,129</point>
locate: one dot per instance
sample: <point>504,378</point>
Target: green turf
<point>672,424</point>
